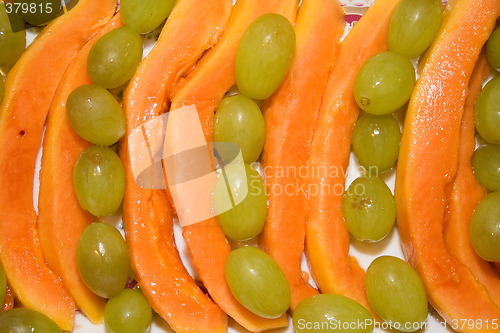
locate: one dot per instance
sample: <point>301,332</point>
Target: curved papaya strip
<point>191,28</point>
<point>290,116</point>
<point>205,87</point>
<point>466,193</point>
<point>61,220</point>
<point>428,163</point>
<point>327,238</point>
<point>9,300</point>
<point>29,89</point>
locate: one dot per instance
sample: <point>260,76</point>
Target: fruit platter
<point>307,166</point>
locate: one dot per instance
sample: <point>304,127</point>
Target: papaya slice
<point>61,220</point>
<point>191,28</point>
<point>29,89</point>
<point>290,116</point>
<point>327,238</point>
<point>9,300</point>
<point>428,162</point>
<point>466,193</point>
<point>205,87</point>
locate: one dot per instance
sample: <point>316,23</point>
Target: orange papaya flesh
<point>428,163</point>
<point>205,87</point>
<point>61,220</point>
<point>327,237</point>
<point>9,300</point>
<point>290,116</point>
<point>29,89</point>
<point>191,28</point>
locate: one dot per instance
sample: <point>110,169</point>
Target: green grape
<point>3,286</point>
<point>396,293</point>
<point>40,12</point>
<point>264,55</point>
<point>103,260</point>
<point>145,15</point>
<point>247,218</point>
<point>12,44</point>
<point>493,49</point>
<point>129,312</point>
<point>384,83</point>
<point>239,120</point>
<point>99,180</point>
<point>486,166</point>
<point>96,115</point>
<point>113,59</point>
<point>369,209</point>
<point>257,282</point>
<point>486,114</point>
<point>485,228</point>
<point>375,141</point>
<point>413,26</point>
<point>22,320</point>
<point>327,313</point>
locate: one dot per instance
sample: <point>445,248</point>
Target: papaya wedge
<point>61,220</point>
<point>8,303</point>
<point>290,115</point>
<point>191,28</point>
<point>327,238</point>
<point>466,193</point>
<point>29,89</point>
<point>428,161</point>
<point>205,87</point>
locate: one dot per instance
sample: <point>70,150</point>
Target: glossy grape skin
<point>96,115</point>
<point>3,286</point>
<point>369,209</point>
<point>413,26</point>
<point>396,293</point>
<point>45,11</point>
<point>103,259</point>
<point>238,119</point>
<point>487,113</point>
<point>493,49</point>
<point>486,166</point>
<point>12,44</point>
<point>485,228</point>
<point>334,310</point>
<point>144,16</point>
<point>247,218</point>
<point>99,180</point>
<point>22,320</point>
<point>257,282</point>
<point>113,59</point>
<point>384,83</point>
<point>129,312</point>
<point>375,141</point>
<point>264,55</point>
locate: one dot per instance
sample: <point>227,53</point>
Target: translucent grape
<point>369,209</point>
<point>99,180</point>
<point>413,26</point>
<point>384,83</point>
<point>486,166</point>
<point>257,282</point>
<point>375,141</point>
<point>12,44</point>
<point>103,259</point>
<point>264,55</point>
<point>238,119</point>
<point>96,115</point>
<point>331,313</point>
<point>40,12</point>
<point>247,218</point>
<point>22,320</point>
<point>396,293</point>
<point>485,228</point>
<point>487,113</point>
<point>129,312</point>
<point>493,49</point>
<point>114,57</point>
<point>144,16</point>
